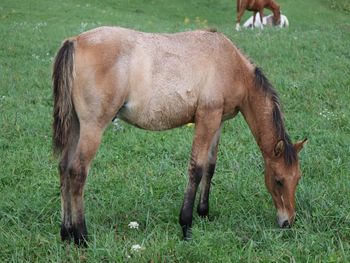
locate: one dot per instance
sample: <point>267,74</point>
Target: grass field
<point>141,176</point>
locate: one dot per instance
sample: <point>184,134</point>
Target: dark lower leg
<point>73,223</point>
<point>66,209</point>
<point>203,205</point>
<point>186,213</point>
<point>79,231</point>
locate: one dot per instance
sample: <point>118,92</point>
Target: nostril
<point>285,224</point>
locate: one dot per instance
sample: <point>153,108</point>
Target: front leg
<point>203,205</point>
<point>261,13</point>
<point>238,20</point>
<point>254,15</point>
<point>186,214</point>
<point>207,123</point>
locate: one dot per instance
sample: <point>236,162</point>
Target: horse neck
<point>275,8</point>
<point>258,110</point>
<point>272,5</point>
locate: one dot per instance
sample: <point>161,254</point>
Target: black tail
<point>62,82</point>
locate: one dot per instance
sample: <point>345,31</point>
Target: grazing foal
<point>257,6</point>
<point>159,82</point>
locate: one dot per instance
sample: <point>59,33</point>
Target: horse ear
<point>279,148</point>
<point>299,145</point>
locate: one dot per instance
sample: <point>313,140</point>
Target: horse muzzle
<point>284,220</point>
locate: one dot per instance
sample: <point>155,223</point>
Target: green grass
<point>141,176</point>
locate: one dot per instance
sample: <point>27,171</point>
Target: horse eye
<point>278,182</point>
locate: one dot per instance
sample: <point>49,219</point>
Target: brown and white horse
<point>258,6</point>
<point>159,82</point>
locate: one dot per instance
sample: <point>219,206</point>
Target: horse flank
<point>290,155</point>
<point>62,82</point>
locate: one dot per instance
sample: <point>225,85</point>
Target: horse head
<point>281,179</point>
<point>276,15</point>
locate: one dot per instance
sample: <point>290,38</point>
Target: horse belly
<point>162,112</point>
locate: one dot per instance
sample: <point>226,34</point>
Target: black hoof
<point>66,233</point>
<point>80,239</point>
<point>203,212</point>
<point>77,232</point>
<point>187,233</point>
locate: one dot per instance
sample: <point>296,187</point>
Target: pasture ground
<point>140,176</point>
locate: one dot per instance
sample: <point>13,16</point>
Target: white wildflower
<point>327,114</point>
<point>137,248</point>
<point>134,224</point>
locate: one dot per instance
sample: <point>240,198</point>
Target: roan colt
<point>159,82</point>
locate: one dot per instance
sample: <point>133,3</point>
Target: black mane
<point>261,81</point>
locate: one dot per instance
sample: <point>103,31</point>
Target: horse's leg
<point>254,15</point>
<point>203,205</point>
<point>207,123</point>
<point>261,13</point>
<point>78,168</point>
<point>238,20</point>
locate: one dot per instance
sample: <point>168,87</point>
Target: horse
<point>159,82</point>
<point>257,6</point>
<point>267,21</point>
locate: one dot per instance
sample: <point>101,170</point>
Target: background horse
<point>267,21</point>
<point>159,82</point>
<point>257,6</point>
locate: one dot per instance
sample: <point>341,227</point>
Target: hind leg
<point>72,184</point>
<point>207,123</point>
<point>203,205</point>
